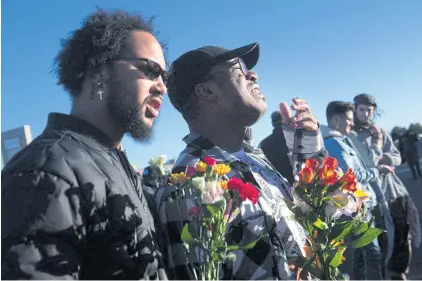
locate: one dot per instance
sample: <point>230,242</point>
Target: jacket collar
<point>87,132</point>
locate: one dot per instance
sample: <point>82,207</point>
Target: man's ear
<point>204,92</point>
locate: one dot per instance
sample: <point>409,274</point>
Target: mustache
<point>250,85</point>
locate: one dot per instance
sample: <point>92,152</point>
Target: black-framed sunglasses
<point>150,68</point>
<point>239,61</point>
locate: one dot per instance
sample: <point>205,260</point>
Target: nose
<point>252,76</point>
<point>160,86</point>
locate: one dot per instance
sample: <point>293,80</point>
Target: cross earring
<point>100,91</point>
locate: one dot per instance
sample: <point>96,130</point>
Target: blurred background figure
<point>409,145</point>
<point>378,145</point>
<point>275,148</point>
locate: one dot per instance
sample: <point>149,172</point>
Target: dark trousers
<point>415,167</point>
<point>398,266</point>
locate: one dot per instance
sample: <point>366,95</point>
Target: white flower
<point>212,192</point>
<point>347,207</point>
<point>199,183</point>
<point>158,163</point>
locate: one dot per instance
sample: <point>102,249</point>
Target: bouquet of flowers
<point>329,204</point>
<point>214,201</point>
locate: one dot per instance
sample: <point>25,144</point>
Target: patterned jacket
<point>268,259</point>
<point>73,208</point>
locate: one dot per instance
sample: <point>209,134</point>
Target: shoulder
<point>189,157</point>
<point>53,152</point>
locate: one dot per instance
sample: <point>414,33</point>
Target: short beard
<point>124,110</point>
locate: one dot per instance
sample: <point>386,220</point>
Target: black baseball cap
<point>365,99</point>
<point>192,67</point>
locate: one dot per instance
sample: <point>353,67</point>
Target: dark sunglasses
<point>150,68</point>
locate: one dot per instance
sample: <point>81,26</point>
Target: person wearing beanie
<point>275,148</point>
<point>377,146</point>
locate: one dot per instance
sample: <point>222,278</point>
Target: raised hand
<point>303,118</point>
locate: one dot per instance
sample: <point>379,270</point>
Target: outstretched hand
<point>303,118</point>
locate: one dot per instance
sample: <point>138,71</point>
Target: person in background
<point>409,142</point>
<point>367,261</point>
<point>377,144</point>
<point>72,205</point>
<point>275,148</point>
<point>247,141</point>
<point>218,95</point>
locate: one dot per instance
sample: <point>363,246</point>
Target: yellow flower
<point>221,169</point>
<point>359,193</point>
<point>180,178</point>
<point>223,184</point>
<point>201,167</point>
<point>337,243</point>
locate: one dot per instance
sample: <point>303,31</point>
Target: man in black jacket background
<point>275,148</point>
<point>72,205</point>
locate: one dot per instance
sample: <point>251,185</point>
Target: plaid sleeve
<point>173,210</point>
<point>303,145</point>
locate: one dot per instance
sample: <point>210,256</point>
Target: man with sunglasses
<point>218,95</point>
<point>72,205</point>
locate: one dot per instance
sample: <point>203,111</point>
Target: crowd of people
<point>73,207</point>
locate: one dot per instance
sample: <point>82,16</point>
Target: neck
<point>222,134</point>
<point>100,120</point>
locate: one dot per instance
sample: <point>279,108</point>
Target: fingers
<point>285,113</point>
<point>304,117</point>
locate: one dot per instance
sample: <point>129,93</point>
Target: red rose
<point>209,161</point>
<point>245,190</point>
<point>249,191</point>
<point>234,184</point>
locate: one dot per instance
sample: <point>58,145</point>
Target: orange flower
<point>350,181</point>
<point>311,163</point>
<point>308,251</point>
<point>331,162</point>
<point>306,175</point>
<point>328,172</point>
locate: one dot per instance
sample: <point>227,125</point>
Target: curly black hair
<point>100,39</point>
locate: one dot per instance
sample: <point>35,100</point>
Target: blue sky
<point>317,50</point>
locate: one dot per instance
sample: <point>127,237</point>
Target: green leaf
<point>336,261</point>
<point>361,228</point>
<point>367,237</point>
<point>186,235</point>
<point>311,267</point>
<point>345,231</point>
<point>217,207</point>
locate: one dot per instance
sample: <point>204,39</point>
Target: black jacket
<point>275,149</point>
<point>72,206</point>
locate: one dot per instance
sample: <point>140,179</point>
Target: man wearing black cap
<point>378,145</point>
<point>275,148</point>
<point>218,95</point>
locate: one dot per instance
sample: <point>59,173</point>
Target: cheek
<point>143,90</point>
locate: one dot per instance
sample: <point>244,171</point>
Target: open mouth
<point>153,107</point>
<point>256,93</point>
